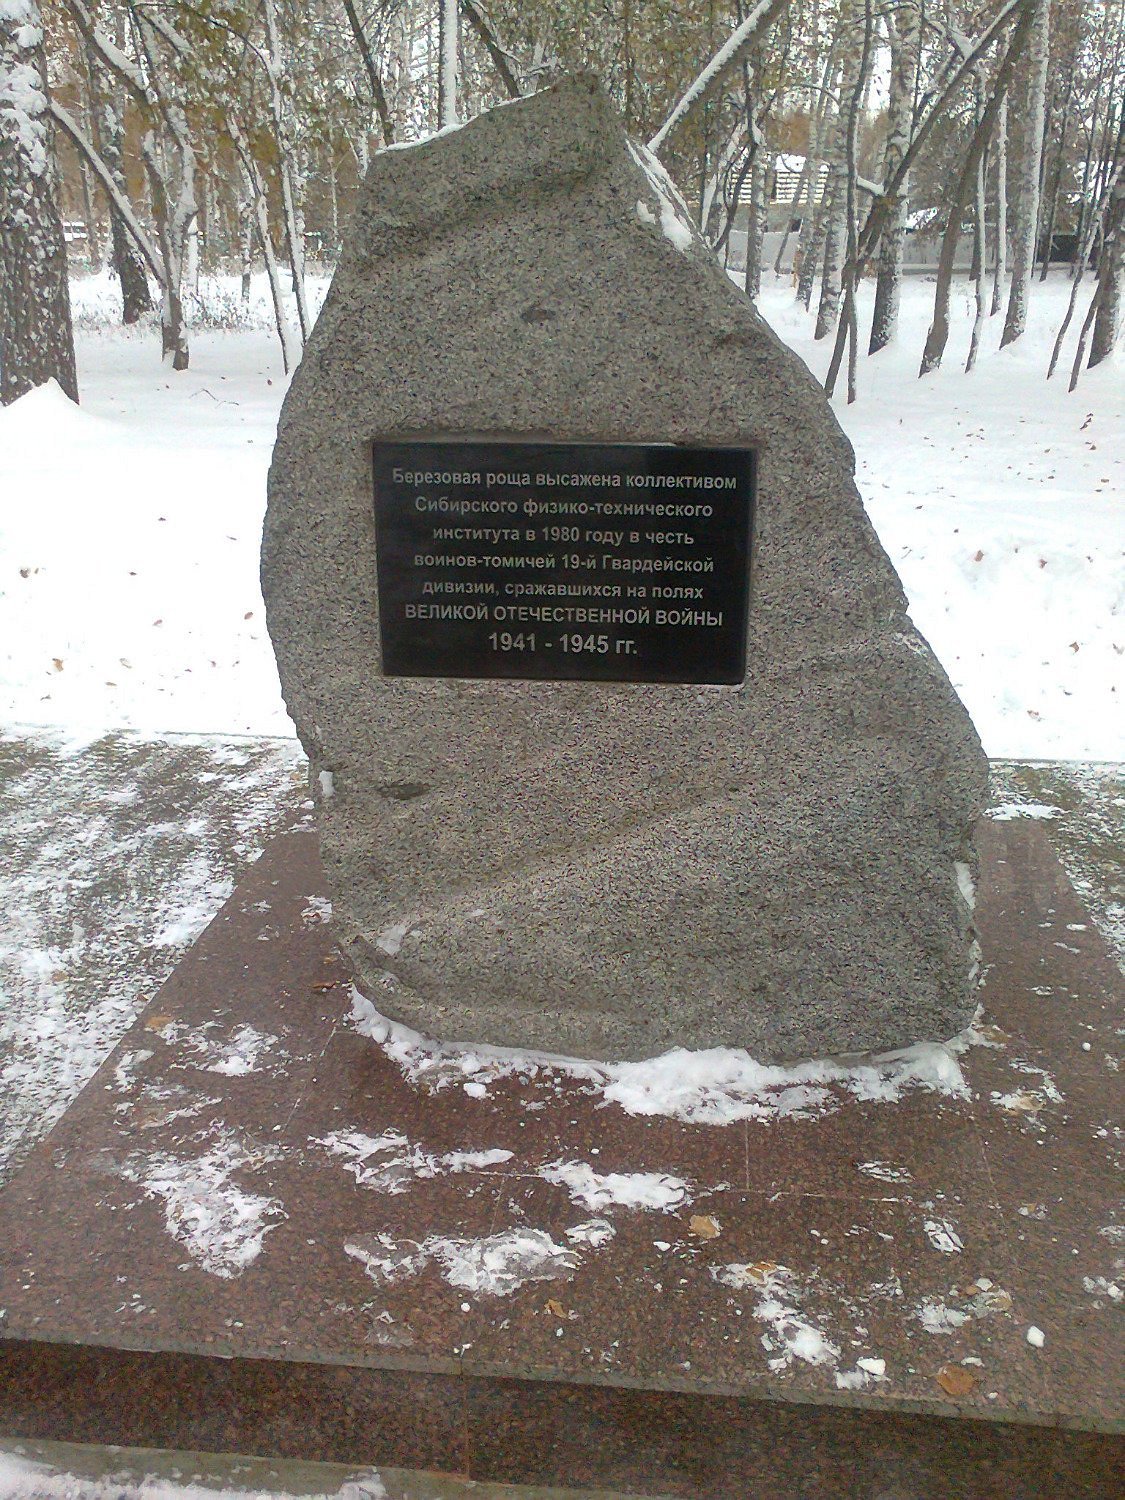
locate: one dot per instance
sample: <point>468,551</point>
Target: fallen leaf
<point>703,1225</point>
<point>56,662</point>
<point>328,984</point>
<point>157,1023</point>
<point>556,1309</point>
<point>760,1272</point>
<point>978,556</point>
<point>1074,645</point>
<point>955,1380</point>
<point>1022,1104</point>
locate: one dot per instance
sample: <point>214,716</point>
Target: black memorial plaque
<point>622,563</point>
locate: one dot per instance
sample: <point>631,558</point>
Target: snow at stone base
<point>129,530</point>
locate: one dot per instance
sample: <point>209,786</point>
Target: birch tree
<point>1027,217</point>
<point>36,337</point>
<point>107,137</point>
<point>938,334</point>
<point>1111,273</point>
<point>905,29</point>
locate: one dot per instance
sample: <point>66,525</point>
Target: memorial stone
<point>621,736</point>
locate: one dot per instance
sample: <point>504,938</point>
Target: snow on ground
<point>111,863</point>
<point>129,529</point>
<point>69,1471</point>
<point>999,497</point>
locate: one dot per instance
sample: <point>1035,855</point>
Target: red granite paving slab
<point>735,1312</point>
<point>769,1450</point>
<point>85,1393</point>
<point>247,1072</point>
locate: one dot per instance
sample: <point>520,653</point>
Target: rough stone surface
<point>611,870</point>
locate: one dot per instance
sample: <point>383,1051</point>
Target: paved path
<point>113,858</point>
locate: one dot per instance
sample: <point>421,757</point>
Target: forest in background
<point>178,138</point>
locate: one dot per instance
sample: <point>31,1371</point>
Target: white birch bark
<point>980,249</point>
<point>1000,265</point>
<point>447,63</point>
<point>1027,225</point>
<point>835,234</point>
<point>36,337</point>
<point>905,39</point>
<point>288,168</point>
<point>1111,274</point>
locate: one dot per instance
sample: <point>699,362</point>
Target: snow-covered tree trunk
<point>836,230</point>
<point>108,134</point>
<point>448,37</point>
<point>1111,274</point>
<point>980,248</point>
<point>811,253</point>
<point>1027,219</point>
<point>745,35</point>
<point>246,237</point>
<point>812,219</point>
<point>938,334</point>
<point>36,337</point>
<point>905,37</point>
<point>1000,263</point>
<point>756,224</point>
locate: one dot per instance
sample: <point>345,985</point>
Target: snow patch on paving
<point>791,1334</point>
<point>221,1225</point>
<point>1006,812</point>
<point>388,1163</point>
<point>716,1086</point>
<point>495,1266</point>
<point>600,1190</point>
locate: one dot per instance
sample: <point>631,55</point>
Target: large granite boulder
<point>599,869</point>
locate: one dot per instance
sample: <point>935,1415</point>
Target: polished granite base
<point>255,1231</point>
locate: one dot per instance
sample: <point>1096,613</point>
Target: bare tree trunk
<point>107,131</point>
<point>1111,273</point>
<point>811,219</point>
<point>836,235</point>
<point>448,19</point>
<point>288,169</point>
<point>938,334</point>
<point>813,253</point>
<point>1023,261</point>
<point>36,337</point>
<point>979,245</point>
<point>1000,267</point>
<point>900,122</point>
<point>246,237</point>
<point>260,212</point>
<point>851,263</point>
<point>378,94</point>
<point>1053,209</point>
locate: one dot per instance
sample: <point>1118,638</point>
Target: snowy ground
<point>129,529</point>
